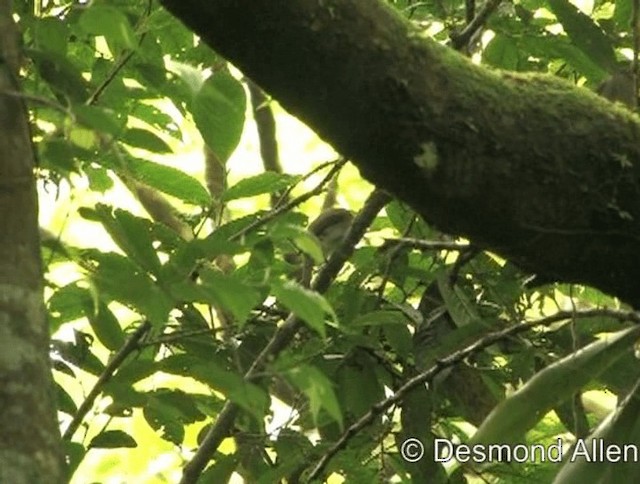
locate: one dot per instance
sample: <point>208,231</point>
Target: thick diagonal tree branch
<point>539,171</point>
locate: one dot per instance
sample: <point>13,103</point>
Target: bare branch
<point>113,365</point>
<point>454,359</point>
<point>284,335</point>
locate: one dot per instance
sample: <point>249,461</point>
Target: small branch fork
<point>129,347</point>
<point>451,360</point>
<point>283,336</point>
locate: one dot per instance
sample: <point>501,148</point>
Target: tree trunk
<point>30,444</point>
<point>528,166</point>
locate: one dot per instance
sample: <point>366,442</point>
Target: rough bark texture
<point>530,167</point>
<point>30,450</point>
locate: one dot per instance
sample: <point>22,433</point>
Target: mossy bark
<point>530,167</point>
<point>30,447</point>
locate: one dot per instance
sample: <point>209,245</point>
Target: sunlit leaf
<point>109,22</point>
<point>224,290</point>
<point>309,306</point>
<point>169,180</point>
<point>145,139</point>
<point>318,389</point>
<point>219,110</point>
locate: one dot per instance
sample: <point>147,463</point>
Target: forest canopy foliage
<point>203,329</point>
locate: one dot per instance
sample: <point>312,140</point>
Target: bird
<point>330,228</point>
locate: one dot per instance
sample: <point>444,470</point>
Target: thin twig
<point>93,98</point>
<point>130,345</point>
<point>451,360</point>
<point>284,335</point>
<point>288,206</point>
<point>266,126</point>
<point>421,244</point>
<point>38,100</point>
<point>459,40</point>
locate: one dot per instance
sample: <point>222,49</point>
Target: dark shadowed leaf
<point>112,439</point>
<point>318,389</point>
<point>585,34</point>
<point>509,421</point>
<point>142,138</point>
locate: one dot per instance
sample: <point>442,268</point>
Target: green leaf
<point>301,237</point>
<point>381,317</point>
<point>112,439</point>
<point>165,420</point>
<point>399,215</point>
<point>79,353</point>
<point>99,179</point>
<point>224,290</point>
<point>106,327</point>
<point>185,258</point>
<point>318,389</point>
<point>399,338</point>
<point>169,180</point>
<point>145,139</point>
<point>102,20</point>
<point>622,13</point>
<point>184,403</point>
<point>502,52</point>
<point>218,110</point>
<point>66,304</point>
<point>136,370</point>
<point>548,388</point>
<point>221,470</point>
<point>64,401</point>
<point>247,395</point>
<point>118,279</point>
<point>156,118</point>
<point>61,74</point>
<point>359,386</point>
<point>74,453</point>
<point>51,33</point>
<point>461,308</point>
<point>585,34</point>
<point>152,75</point>
<point>124,396</point>
<point>231,293</point>
<point>132,234</point>
<point>267,182</point>
<point>309,306</point>
<point>99,119</point>
<point>562,48</point>
<point>59,155</point>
